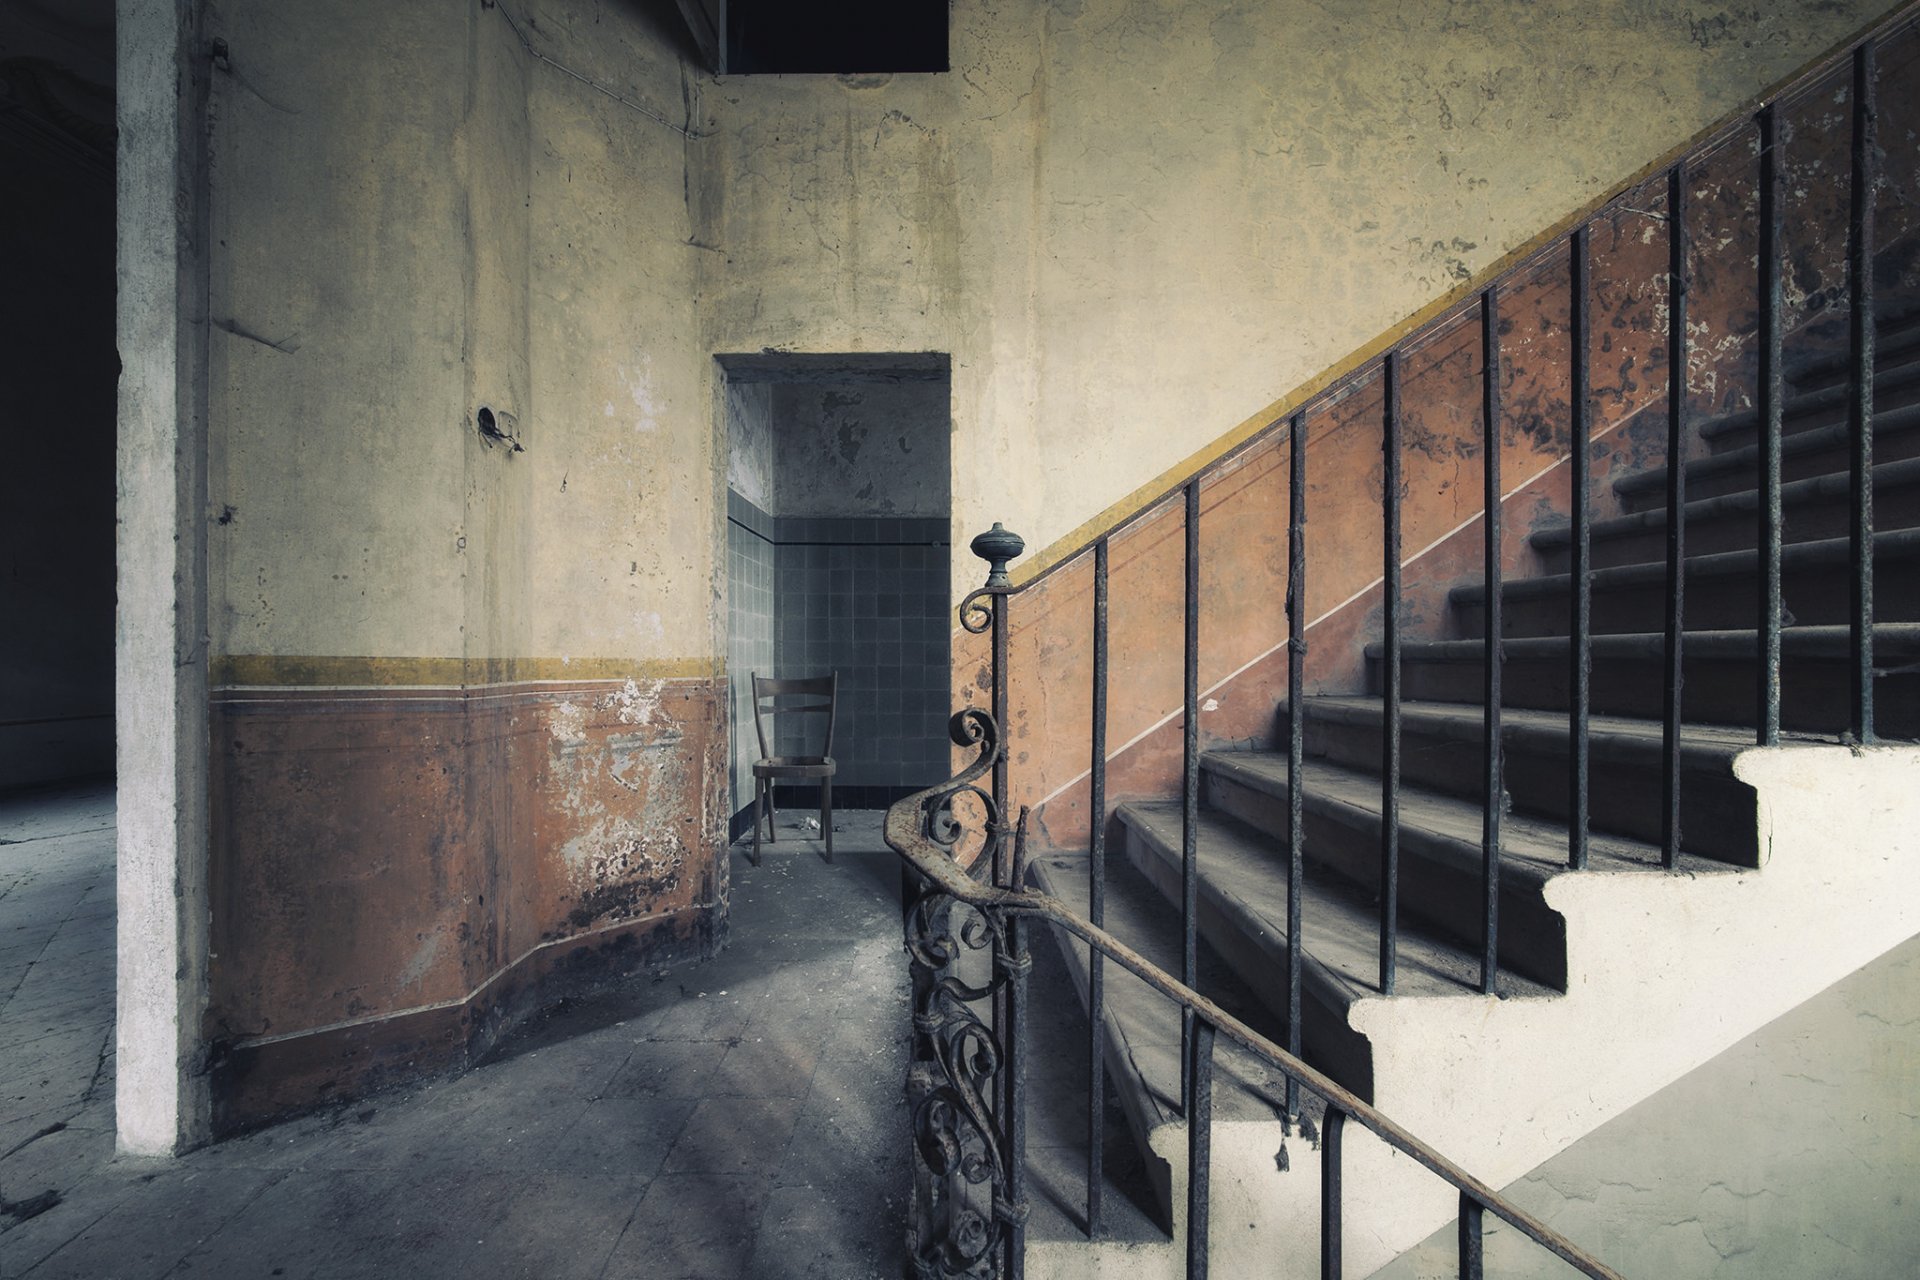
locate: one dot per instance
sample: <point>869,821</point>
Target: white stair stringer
<point>1665,972</point>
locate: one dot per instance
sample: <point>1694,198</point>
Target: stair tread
<point>1629,734</point>
<point>1746,457</point>
<point>1143,1026</point>
<point>1746,502</point>
<point>1813,641</point>
<point>1531,849</point>
<point>1340,923</point>
<point>1896,325</point>
<point>1832,396</point>
<point>1888,544</point>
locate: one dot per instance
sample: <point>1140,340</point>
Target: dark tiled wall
<point>868,598</point>
<point>751,572</point>
<point>864,597</point>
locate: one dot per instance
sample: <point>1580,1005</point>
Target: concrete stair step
<point>1440,860</point>
<point>1896,337</point>
<point>1814,508</point>
<point>1719,669</point>
<point>1894,385</point>
<point>1442,746</point>
<point>1721,591</point>
<point>1816,452</point>
<point>1142,1039</point>
<point>1243,911</point>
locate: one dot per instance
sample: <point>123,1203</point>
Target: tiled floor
<point>739,1118</point>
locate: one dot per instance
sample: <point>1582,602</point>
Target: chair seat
<point>794,767</point>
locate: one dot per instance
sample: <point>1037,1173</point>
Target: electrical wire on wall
<point>640,108</point>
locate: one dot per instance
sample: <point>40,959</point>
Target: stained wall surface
<point>1134,224</point>
<point>467,721</point>
<point>469,718</point>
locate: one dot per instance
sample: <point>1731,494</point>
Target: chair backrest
<point>824,690</point>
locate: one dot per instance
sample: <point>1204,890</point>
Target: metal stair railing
<point>955,1234</point>
<point>966,1086</point>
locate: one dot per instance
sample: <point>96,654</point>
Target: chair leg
<point>826,813</point>
<point>757,789</point>
<point>773,836</point>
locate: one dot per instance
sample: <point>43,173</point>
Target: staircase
<point>1607,987</point>
<point>1623,958</point>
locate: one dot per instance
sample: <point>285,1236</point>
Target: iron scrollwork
<point>960,1151</point>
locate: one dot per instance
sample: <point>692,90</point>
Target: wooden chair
<point>770,767</point>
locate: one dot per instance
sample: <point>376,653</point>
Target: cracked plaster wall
<point>1131,223</point>
<point>1134,223</point>
<point>468,740</point>
<point>861,449</point>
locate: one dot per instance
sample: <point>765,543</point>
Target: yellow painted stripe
<point>303,669</point>
<point>1161,486</point>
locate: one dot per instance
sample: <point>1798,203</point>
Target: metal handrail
<point>908,834</point>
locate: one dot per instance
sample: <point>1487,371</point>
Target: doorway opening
<point>838,531</point>
<point>59,368</point>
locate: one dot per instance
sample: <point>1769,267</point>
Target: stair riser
<point>1894,346</point>
<point>1894,507</point>
<point>1532,938</point>
<point>1259,959</point>
<point>1715,807</point>
<point>1814,694</point>
<point>1888,446</point>
<point>1897,387</point>
<point>1813,594</point>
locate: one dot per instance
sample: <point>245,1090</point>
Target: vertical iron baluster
<point>1390,720</point>
<point>1190,776</point>
<point>1771,398</point>
<point>1296,726</point>
<point>1019,963</point>
<point>1676,507</point>
<point>1332,1128</point>
<point>1860,401</point>
<point>1002,872</point>
<point>1580,642</point>
<point>1097,899</point>
<point>1472,1252</point>
<point>1199,1107</point>
<point>1494,786</point>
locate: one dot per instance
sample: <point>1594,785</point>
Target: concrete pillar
<point>161,631</point>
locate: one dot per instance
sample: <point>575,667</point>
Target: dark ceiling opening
<point>837,36</point>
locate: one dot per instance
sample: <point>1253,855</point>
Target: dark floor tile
<point>148,1231</point>
<point>668,1069</point>
<point>691,1227</point>
<point>734,1135</point>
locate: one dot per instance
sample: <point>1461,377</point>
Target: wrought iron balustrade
<point>966,1085</point>
<point>968,1104</point>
